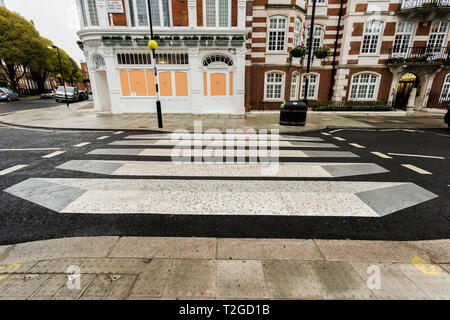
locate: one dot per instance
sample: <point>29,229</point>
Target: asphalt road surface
<point>331,184</point>
<point>14,106</point>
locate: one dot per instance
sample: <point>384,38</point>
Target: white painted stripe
<point>335,130</point>
<point>205,136</point>
<point>103,138</point>
<point>12,169</point>
<point>30,149</point>
<point>416,169</point>
<point>357,145</point>
<point>118,132</point>
<point>82,144</point>
<point>223,143</point>
<point>381,155</point>
<point>415,155</point>
<point>338,138</point>
<point>54,154</point>
<point>326,134</point>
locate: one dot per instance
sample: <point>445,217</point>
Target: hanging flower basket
<point>298,52</point>
<point>322,53</point>
<point>190,41</point>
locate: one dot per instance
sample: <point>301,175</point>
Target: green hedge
<point>351,106</point>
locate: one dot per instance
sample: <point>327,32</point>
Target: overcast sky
<point>56,20</point>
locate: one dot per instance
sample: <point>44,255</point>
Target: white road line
<point>415,155</point>
<point>54,154</point>
<point>335,130</point>
<point>118,132</point>
<point>31,149</point>
<point>326,134</point>
<point>381,155</point>
<point>82,144</point>
<point>103,138</point>
<point>338,138</point>
<point>12,169</point>
<point>357,145</point>
<point>416,169</point>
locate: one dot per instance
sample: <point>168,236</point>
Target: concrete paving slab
<point>192,279</point>
<point>445,266</point>
<point>181,248</point>
<point>152,282</point>
<point>291,280</point>
<point>60,248</point>
<point>394,284</point>
<point>339,280</point>
<point>103,265</point>
<point>64,293</point>
<point>51,287</point>
<point>438,250</point>
<point>56,265</point>
<point>262,249</point>
<point>436,285</point>
<point>368,251</point>
<point>23,286</point>
<point>241,279</point>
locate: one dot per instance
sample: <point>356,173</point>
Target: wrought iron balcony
<point>419,55</point>
<point>410,4</point>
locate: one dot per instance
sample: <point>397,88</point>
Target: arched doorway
<point>405,84</point>
<point>102,95</point>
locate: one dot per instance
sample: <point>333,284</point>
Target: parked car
<point>83,95</point>
<point>73,94</point>
<point>8,95</point>
<point>48,95</point>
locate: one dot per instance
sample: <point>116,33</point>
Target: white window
<point>277,33</point>
<point>294,85</point>
<point>317,37</point>
<point>138,10</point>
<point>313,86</point>
<point>371,38</point>
<point>274,86</point>
<point>402,39</point>
<point>92,5</point>
<point>297,32</point>
<point>83,12</point>
<point>321,1</point>
<point>364,86</point>
<point>218,13</point>
<point>445,94</point>
<point>437,38</point>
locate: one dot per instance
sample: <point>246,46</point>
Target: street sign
<point>115,6</point>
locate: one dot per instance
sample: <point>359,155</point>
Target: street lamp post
<point>310,42</point>
<point>61,73</point>
<point>153,46</point>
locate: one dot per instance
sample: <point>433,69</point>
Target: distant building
<point>85,71</point>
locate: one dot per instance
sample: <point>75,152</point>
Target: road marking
<point>326,134</point>
<point>381,155</point>
<point>12,169</point>
<point>82,144</point>
<point>338,138</point>
<point>103,138</point>
<point>118,132</point>
<point>54,154</point>
<point>416,169</point>
<point>219,143</point>
<point>415,155</point>
<point>335,130</point>
<point>30,149</point>
<point>357,145</point>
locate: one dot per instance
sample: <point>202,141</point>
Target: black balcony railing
<point>400,54</point>
<point>409,4</point>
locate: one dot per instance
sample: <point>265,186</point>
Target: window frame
<point>297,33</point>
<point>283,81</point>
<point>445,85</point>
<point>316,86</point>
<point>135,18</point>
<point>278,31</point>
<point>85,17</point>
<point>402,34</point>
<point>372,34</point>
<point>297,85</point>
<point>375,91</point>
<point>321,36</point>
<point>217,14</point>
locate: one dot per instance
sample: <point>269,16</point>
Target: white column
<point>102,13</point>
<point>114,85</point>
<point>430,80</point>
<point>239,99</point>
<point>196,81</point>
<point>411,100</point>
<point>192,13</point>
<point>393,90</point>
<point>241,13</point>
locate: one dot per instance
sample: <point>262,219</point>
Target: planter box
<point>175,42</point>
<point>237,42</point>
<point>126,42</point>
<point>142,42</point>
<point>190,43</point>
<point>109,42</point>
<point>222,42</point>
<point>206,42</point>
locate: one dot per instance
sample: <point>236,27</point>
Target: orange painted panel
<point>151,83</point>
<point>218,84</point>
<point>137,83</point>
<point>165,84</point>
<point>205,83</point>
<point>231,83</point>
<point>181,84</point>
<point>124,83</point>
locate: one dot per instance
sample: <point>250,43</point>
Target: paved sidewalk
<point>83,117</point>
<point>209,268</point>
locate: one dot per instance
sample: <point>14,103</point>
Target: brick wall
<point>180,15</point>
